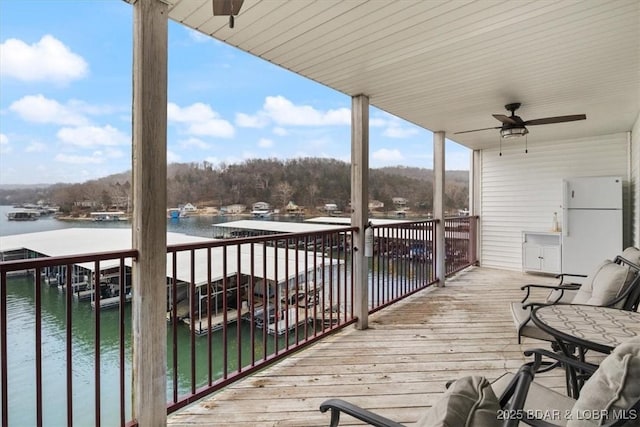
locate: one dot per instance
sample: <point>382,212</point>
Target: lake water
<point>21,341</point>
<point>194,225</point>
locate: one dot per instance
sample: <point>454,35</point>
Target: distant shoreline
<point>409,214</point>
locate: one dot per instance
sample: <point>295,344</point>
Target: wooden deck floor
<point>397,367</point>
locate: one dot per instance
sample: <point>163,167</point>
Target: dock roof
<point>347,221</point>
<point>280,227</point>
<point>73,241</point>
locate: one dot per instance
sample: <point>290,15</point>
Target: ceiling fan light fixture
<point>513,132</point>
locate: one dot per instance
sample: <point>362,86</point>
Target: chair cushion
<point>521,318</point>
<point>469,402</point>
<point>607,282</point>
<point>614,387</point>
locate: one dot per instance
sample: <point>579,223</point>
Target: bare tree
<point>284,191</point>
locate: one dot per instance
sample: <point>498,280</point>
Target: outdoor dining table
<point>585,327</point>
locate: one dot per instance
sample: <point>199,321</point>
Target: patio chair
<point>612,284</point>
<point>610,397</point>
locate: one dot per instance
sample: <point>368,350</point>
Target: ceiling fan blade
<point>558,119</point>
<point>505,119</point>
<point>476,130</point>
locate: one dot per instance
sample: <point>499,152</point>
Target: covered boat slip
<point>247,227</point>
<point>347,221</point>
<point>279,272</point>
<point>72,241</point>
<point>249,274</point>
<point>398,367</point>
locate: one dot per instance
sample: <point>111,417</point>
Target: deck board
<point>398,367</point>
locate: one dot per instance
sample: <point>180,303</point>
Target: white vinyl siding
<point>635,182</point>
<point>521,191</point>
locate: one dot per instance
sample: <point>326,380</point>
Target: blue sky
<point>65,101</point>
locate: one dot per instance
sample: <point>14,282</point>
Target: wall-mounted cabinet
<point>542,252</point>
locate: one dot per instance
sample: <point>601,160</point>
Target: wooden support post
<point>149,303</point>
<point>438,204</point>
<point>360,204</point>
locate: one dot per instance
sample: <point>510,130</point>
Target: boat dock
<point>283,325</point>
<point>111,302</point>
<point>346,222</point>
<point>248,228</point>
<point>202,325</point>
<point>243,260</point>
<point>71,241</point>
<point>85,295</point>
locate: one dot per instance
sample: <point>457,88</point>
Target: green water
<point>22,360</point>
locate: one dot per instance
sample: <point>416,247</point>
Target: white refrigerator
<point>591,222</point>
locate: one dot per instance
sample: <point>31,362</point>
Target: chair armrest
<point>622,260</point>
<point>535,304</point>
<point>563,275</point>
<point>337,406</point>
<point>561,287</point>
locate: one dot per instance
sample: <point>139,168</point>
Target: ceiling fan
<point>514,126</point>
<point>228,8</point>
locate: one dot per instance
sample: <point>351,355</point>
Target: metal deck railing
<point>233,306</point>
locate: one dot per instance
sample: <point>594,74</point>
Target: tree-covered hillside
<point>309,182</point>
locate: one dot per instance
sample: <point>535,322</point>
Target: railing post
<point>149,212</point>
<point>360,204</point>
<point>438,205</point>
<point>473,240</point>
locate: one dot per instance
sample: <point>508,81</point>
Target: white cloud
<point>82,107</point>
<point>265,143</point>
<point>246,121</point>
<point>194,143</point>
<point>78,160</point>
<point>92,136</point>
<point>107,152</point>
<point>38,109</point>
<point>197,36</point>
<point>282,112</point>
<point>395,130</point>
<point>377,122</point>
<point>199,119</point>
<point>46,60</point>
<point>395,127</point>
<point>280,131</point>
<point>384,155</point>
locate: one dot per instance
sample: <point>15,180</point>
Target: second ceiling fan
<point>514,126</point>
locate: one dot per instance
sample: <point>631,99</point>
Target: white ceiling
<point>448,65</point>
